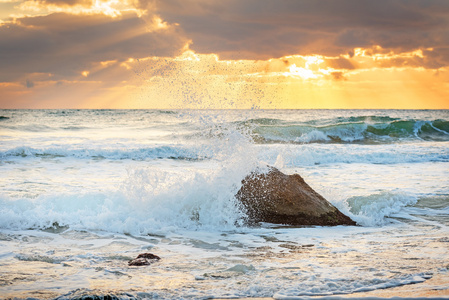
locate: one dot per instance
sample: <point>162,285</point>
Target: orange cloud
<point>193,80</point>
<point>204,81</point>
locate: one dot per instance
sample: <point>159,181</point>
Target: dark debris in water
<point>56,228</point>
<point>85,294</point>
<point>144,259</point>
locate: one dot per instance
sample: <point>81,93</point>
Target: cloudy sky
<point>224,54</point>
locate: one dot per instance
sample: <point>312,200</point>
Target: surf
<point>83,197</point>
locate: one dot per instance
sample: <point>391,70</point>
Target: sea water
<point>82,192</point>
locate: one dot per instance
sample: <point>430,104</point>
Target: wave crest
<point>372,210</point>
<point>365,130</point>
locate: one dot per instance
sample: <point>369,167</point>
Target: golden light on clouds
<point>311,70</point>
<point>111,8</point>
<point>304,73</point>
<point>195,80</point>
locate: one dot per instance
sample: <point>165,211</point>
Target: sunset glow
<point>134,54</point>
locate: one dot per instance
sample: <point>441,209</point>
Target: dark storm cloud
<point>64,44</point>
<point>274,28</point>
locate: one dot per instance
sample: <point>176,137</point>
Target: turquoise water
<point>84,191</point>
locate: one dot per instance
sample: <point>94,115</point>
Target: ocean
<point>82,192</point>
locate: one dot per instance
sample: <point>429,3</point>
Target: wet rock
<point>144,259</point>
<point>86,294</point>
<point>275,197</point>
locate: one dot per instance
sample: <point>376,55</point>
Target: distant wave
<point>364,130</point>
<point>272,128</point>
<point>43,128</point>
<point>299,155</point>
<point>323,154</point>
<point>161,152</point>
<point>168,112</point>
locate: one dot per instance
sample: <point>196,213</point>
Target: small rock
<point>144,259</point>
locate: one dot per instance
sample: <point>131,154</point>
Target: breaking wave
<point>150,153</point>
<point>365,130</point>
<point>297,155</point>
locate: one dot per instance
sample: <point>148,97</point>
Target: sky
<point>226,54</point>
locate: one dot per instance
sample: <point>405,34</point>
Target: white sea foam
<point>124,152</point>
<point>294,155</point>
<point>148,200</point>
<point>151,199</point>
<point>372,210</point>
<point>314,286</point>
<point>319,154</point>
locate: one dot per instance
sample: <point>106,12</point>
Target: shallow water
<point>84,191</point>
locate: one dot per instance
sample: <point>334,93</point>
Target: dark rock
<point>275,197</point>
<point>144,259</point>
<point>86,294</point>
